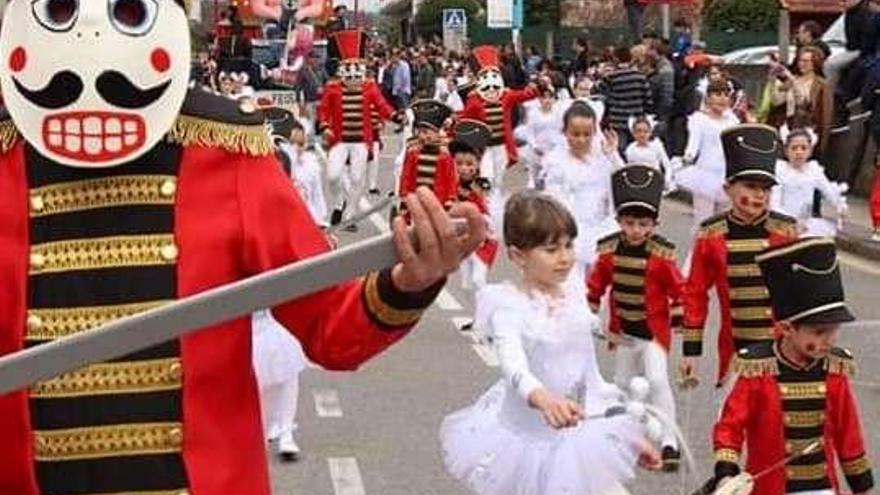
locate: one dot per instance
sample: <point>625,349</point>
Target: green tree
<point>429,18</point>
<point>743,15</point>
<point>542,12</point>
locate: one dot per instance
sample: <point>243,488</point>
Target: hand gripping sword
<point>123,336</point>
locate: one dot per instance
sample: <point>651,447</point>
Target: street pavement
<point>375,431</point>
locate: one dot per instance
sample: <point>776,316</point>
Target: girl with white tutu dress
<point>798,179</point>
<point>578,174</point>
<point>705,179</point>
<point>527,435</point>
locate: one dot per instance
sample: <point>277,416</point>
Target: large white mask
<point>490,84</point>
<point>352,73</point>
<point>94,83</point>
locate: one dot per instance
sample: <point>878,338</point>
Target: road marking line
<point>447,302</point>
<point>327,403</point>
<point>346,476</point>
<point>460,321</point>
<point>376,219</point>
<point>858,263</point>
<point>487,354</point>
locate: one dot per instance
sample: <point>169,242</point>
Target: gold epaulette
<point>756,361</point>
<point>661,247</point>
<point>782,224</point>
<point>713,226</point>
<point>235,138</point>
<point>8,135</point>
<point>840,361</point>
<point>608,244</point>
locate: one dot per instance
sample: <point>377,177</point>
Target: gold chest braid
<point>804,397</point>
<point>102,248</point>
<point>750,312</point>
<point>628,289</point>
<point>495,122</point>
<point>427,166</point>
<point>352,116</point>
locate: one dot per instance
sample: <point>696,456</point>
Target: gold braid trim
<point>755,368</point>
<point>8,135</point>
<point>660,250</point>
<point>627,279</point>
<point>727,455</point>
<point>131,377</point>
<point>692,334</point>
<point>54,323</point>
<point>384,312</point>
<point>630,262</point>
<point>782,226</point>
<point>245,139</point>
<point>126,190</point>
<point>103,252</point>
<point>840,365</point>
<point>806,472</point>
<point>855,467</point>
<point>95,442</point>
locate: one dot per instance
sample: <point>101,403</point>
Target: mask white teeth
<point>130,126</point>
<point>113,144</point>
<point>55,126</point>
<point>130,139</point>
<point>92,126</point>
<point>72,126</point>
<point>72,144</point>
<point>92,145</point>
<point>113,126</point>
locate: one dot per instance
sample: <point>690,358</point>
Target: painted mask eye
<point>133,17</point>
<point>56,15</point>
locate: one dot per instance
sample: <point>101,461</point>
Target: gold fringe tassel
<point>8,135</point>
<point>754,368</point>
<point>840,365</point>
<point>249,140</point>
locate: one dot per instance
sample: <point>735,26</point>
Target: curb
<point>851,238</point>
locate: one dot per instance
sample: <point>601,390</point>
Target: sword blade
<point>211,307</point>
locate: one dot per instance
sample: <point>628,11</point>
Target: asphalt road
<point>375,431</point>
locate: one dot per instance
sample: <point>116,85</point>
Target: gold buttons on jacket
<point>37,261</point>
<point>247,108</point>
<point>168,188</point>
<point>169,252</point>
<point>175,435</point>
<point>34,323</point>
<point>38,204</point>
<point>176,371</point>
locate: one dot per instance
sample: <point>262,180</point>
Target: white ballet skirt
<point>277,355</point>
<point>793,195</point>
<point>706,176</point>
<point>501,446</point>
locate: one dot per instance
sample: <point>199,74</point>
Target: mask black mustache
<point>66,87</point>
<point>117,90</point>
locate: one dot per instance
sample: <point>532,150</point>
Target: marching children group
<point>552,424</point>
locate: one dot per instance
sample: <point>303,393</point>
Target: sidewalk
<point>854,237</point>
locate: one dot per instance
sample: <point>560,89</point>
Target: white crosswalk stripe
<point>327,403</point>
<point>346,476</point>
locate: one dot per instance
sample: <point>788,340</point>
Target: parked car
<point>834,37</point>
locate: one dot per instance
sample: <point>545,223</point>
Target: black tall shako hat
<point>750,152</point>
<point>470,136</point>
<point>637,189</point>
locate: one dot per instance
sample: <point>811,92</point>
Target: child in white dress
<point>277,356</point>
<point>578,173</point>
<point>797,179</point>
<point>645,150</point>
<point>705,179</point>
<point>528,434</point>
<point>541,132</point>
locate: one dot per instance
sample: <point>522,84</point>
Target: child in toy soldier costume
<point>470,140</point>
<point>123,190</point>
<point>792,400</point>
<point>428,163</point>
<point>344,117</point>
<point>725,248</point>
<point>493,104</point>
<point>640,267</point>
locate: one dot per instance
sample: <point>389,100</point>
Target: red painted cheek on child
<point>744,202</point>
<point>811,347</point>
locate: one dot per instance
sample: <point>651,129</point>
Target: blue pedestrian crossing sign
<point>454,18</point>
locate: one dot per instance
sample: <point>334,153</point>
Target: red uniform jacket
<point>776,410</point>
<point>435,170</point>
<point>475,108</point>
<point>235,215</point>
<point>657,305</point>
<point>474,191</point>
<point>720,239</point>
<point>331,115</point>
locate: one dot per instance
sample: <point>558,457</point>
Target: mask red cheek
<point>17,59</point>
<point>160,60</point>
